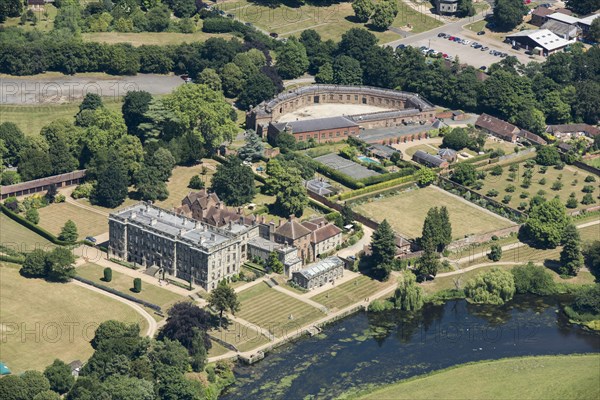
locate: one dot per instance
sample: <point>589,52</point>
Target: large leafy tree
<point>60,377</point>
<point>14,140</point>
<point>546,224</point>
<point>466,8</point>
<point>533,279</point>
<point>384,14</point>
<point>253,149</point>
<point>457,139</point>
<point>571,257</point>
<point>408,296</point>
<point>383,249</point>
<point>210,78</point>
<point>347,71</point>
<point>363,9</point>
<point>258,88</point>
<point>509,13</point>
<point>184,8</point>
<point>203,111</point>
<point>59,265</point>
<point>232,79</point>
<point>234,182</point>
<point>135,105</point>
<point>34,264</point>
<point>224,298</point>
<point>292,60</point>
<point>10,8</point>
<point>68,233</point>
<point>356,43</point>
<point>583,6</point>
<point>495,286</point>
<point>547,155</point>
<point>183,319</point>
<point>465,174</point>
<point>592,257</point>
<point>291,197</point>
<point>112,180</point>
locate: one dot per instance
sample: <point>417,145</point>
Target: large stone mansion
<point>205,242</point>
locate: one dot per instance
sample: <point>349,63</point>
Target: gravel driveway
<point>47,88</point>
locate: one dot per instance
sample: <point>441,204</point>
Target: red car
<point>451,38</point>
<point>445,55</point>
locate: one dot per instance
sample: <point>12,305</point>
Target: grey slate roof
<point>321,267</point>
<point>319,124</point>
<point>426,158</point>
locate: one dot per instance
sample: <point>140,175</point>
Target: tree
<point>464,174</point>
<point>586,106</point>
<point>107,274</point>
<point>533,279</point>
<point>431,234</point>
<point>196,182</point>
<point>91,101</point>
<point>347,214</point>
<point>60,377</point>
<point>34,264</point>
<point>35,382</point>
<point>257,89</point>
<point>137,285</point>
<point>495,252</point>
<point>291,196</point>
<point>547,155</point>
<point>223,298</point>
<point>571,256</point>
<point>428,264</point>
<point>582,6</point>
<point>546,224</point>
<point>363,9</point>
<point>10,8</point>
<point>232,79</point>
<point>59,265</point>
<point>128,388</point>
<point>274,264</point>
<point>210,78</point>
<point>356,43</point>
<point>253,149</point>
<point>183,318</point>
<point>12,387</point>
<point>68,232</point>
<point>47,395</point>
<point>200,110</point>
<point>292,60</point>
<point>594,31</point>
<point>111,330</point>
<point>347,71</point>
<point>184,8</point>
<point>34,163</point>
<point>592,257</point>
<point>149,186</point>
<point>425,176</point>
<point>234,182</point>
<point>325,74</point>
<point>383,249</point>
<point>465,8</point>
<point>14,141</point>
<point>495,286</point>
<point>32,215</point>
<point>135,106</point>
<point>112,180</point>
<point>457,139</point>
<point>408,296</point>
<point>509,13</point>
<point>383,15</point>
<point>158,19</point>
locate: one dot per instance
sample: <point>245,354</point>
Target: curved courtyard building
<point>393,107</point>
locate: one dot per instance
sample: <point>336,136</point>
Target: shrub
<point>107,274</point>
<point>542,181</point>
<point>380,305</point>
<point>196,183</point>
<point>557,185</point>
<point>533,279</point>
<point>588,189</point>
<point>12,204</point>
<point>495,253</point>
<point>524,195</point>
<point>60,198</point>
<point>590,178</point>
<point>572,201</point>
<point>137,285</point>
<point>510,188</point>
<point>588,199</point>
<point>492,193</point>
<point>83,191</point>
<point>32,215</point>
<point>507,199</point>
<point>496,170</point>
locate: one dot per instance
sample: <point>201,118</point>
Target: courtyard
<point>406,212</point>
<point>345,166</point>
<point>329,110</point>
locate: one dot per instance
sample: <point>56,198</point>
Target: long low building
<point>320,273</point>
<point>321,130</point>
<point>42,184</point>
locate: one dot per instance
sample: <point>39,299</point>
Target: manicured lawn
<point>406,213</point>
<point>572,179</point>
<point>217,349</point>
<point>178,183</point>
<point>43,24</point>
<point>594,163</point>
<point>123,283</point>
<point>19,238</point>
<point>243,337</point>
<point>274,311</point>
<point>350,292</point>
<point>423,147</point>
<point>548,377</point>
<point>53,310</point>
<point>496,144</point>
<point>151,38</point>
<point>32,118</point>
<point>89,223</point>
<point>330,21</point>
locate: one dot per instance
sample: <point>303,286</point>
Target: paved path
<point>358,246</point>
<point>152,324</point>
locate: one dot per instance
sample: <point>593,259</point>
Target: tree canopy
<point>495,286</point>
<point>546,224</point>
<point>234,182</point>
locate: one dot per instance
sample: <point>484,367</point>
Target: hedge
<point>11,259</point>
<point>40,231</point>
<point>384,192</point>
<point>118,293</point>
<point>376,187</point>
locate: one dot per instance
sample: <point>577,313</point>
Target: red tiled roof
<point>570,128</point>
<point>292,229</point>
<point>497,126</point>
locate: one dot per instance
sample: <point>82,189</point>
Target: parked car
<point>483,68</point>
<point>502,55</point>
<point>485,48</point>
<point>274,35</point>
<point>466,41</point>
<point>442,35</point>
<point>515,47</point>
<point>450,37</point>
<point>91,239</point>
<point>480,33</point>
<point>445,55</point>
<point>400,46</point>
<point>477,46</point>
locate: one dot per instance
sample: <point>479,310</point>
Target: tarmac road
<point>56,88</point>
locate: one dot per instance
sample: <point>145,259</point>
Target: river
<point>370,348</point>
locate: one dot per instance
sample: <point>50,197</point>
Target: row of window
<point>323,135</point>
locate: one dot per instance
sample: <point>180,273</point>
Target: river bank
<point>366,349</point>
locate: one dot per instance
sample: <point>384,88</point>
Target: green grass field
<point>271,310</point>
<point>243,337</point>
<point>406,213</point>
<point>89,223</point>
<point>123,283</point>
<point>52,311</point>
<point>31,119</point>
<point>350,292</point>
<point>178,183</point>
<point>547,377</point>
<point>572,180</point>
<point>329,21</point>
<point>19,238</point>
<point>423,147</point>
<point>217,349</point>
<point>151,38</point>
<point>594,162</point>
